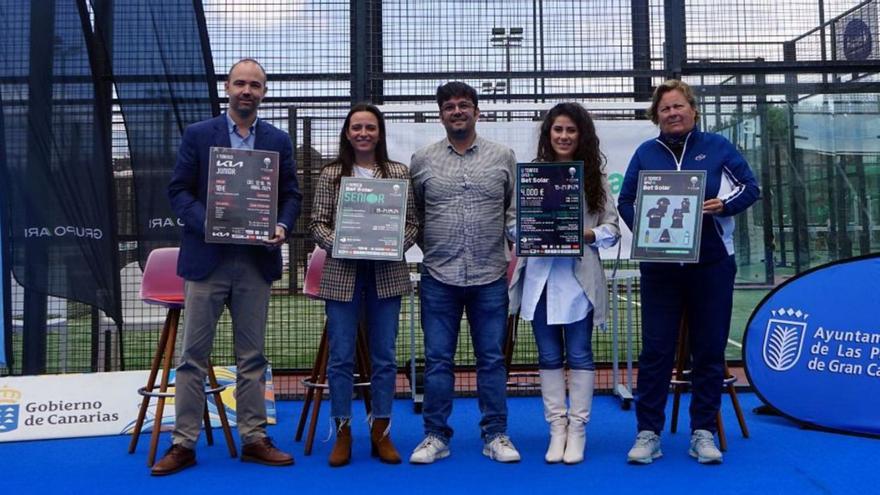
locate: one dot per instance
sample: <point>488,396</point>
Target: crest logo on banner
<point>857,34</point>
<point>9,405</point>
<point>784,338</point>
<point>857,40</point>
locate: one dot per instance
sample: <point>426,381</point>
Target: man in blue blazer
<point>218,275</point>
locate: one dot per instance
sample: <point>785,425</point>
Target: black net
<point>57,176</point>
<point>164,81</point>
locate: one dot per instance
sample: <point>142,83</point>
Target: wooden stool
<point>682,380</point>
<point>161,286</point>
<point>510,342</point>
<point>509,346</point>
<point>316,383</point>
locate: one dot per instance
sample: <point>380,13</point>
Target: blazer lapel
<point>221,132</point>
<point>260,138</point>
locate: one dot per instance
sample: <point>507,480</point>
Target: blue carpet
<point>779,458</point>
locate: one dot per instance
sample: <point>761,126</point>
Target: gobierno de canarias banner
<point>97,404</point>
<point>812,347</point>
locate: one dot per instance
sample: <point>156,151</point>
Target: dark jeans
<point>571,342</point>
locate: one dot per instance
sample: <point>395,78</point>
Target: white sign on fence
<point>618,140</point>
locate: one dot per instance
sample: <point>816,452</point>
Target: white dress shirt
<point>566,300</point>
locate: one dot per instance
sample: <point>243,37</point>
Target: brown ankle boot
<point>341,453</point>
<point>382,447</point>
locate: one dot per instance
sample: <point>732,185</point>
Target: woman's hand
<point>589,236</point>
<point>713,206</point>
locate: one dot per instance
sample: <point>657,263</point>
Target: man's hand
<point>278,238</point>
<point>713,206</point>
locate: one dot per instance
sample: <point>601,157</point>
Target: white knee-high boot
<point>580,396</point>
<point>553,393</point>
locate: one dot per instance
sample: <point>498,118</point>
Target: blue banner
<point>4,276</point>
<point>812,347</point>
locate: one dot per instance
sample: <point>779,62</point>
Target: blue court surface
<point>779,457</point>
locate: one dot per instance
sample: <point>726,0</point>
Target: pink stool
<point>161,286</point>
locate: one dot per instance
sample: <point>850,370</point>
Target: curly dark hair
<point>587,151</point>
<point>345,155</point>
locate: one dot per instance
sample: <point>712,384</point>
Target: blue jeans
<point>342,326</point>
<point>572,341</point>
<point>442,307</point>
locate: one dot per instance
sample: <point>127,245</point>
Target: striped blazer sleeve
<point>321,225</point>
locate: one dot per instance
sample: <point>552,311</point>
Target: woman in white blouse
<point>564,297</point>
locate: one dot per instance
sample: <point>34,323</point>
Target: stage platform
<point>779,458</point>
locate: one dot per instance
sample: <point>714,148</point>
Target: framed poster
<point>370,219</point>
<point>549,209</point>
<point>242,204</point>
<point>668,216</point>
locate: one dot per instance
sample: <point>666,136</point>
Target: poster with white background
<point>96,404</point>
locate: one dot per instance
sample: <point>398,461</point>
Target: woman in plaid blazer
<point>350,287</point>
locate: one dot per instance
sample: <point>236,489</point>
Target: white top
<point>363,172</point>
<point>566,300</point>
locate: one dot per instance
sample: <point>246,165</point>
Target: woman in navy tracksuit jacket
<point>702,291</point>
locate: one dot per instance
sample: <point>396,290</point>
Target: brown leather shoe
<point>177,458</point>
<point>262,451</point>
<point>341,453</point>
<point>382,446</point>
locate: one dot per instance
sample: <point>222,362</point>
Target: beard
<point>459,131</point>
<point>245,111</point>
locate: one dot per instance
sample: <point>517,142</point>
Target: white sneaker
<point>703,448</point>
<point>501,449</point>
<point>432,448</point>
<point>646,448</point>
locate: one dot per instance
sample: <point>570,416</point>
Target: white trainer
<point>646,448</point>
<point>432,448</point>
<point>501,449</point>
<point>703,448</point>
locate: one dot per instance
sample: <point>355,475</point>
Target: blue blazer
<point>188,192</point>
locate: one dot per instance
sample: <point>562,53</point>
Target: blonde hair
<point>667,86</point>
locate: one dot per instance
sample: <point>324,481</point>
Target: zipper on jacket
<point>683,150</point>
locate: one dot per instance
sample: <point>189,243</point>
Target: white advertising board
<point>618,140</point>
<point>95,404</point>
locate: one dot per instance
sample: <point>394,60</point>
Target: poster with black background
<point>549,214</point>
<point>370,219</point>
<point>242,196</point>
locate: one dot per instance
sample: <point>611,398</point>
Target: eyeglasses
<point>464,106</point>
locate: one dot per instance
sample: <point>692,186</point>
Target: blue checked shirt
<point>465,204</point>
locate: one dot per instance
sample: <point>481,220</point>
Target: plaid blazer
<point>337,280</point>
